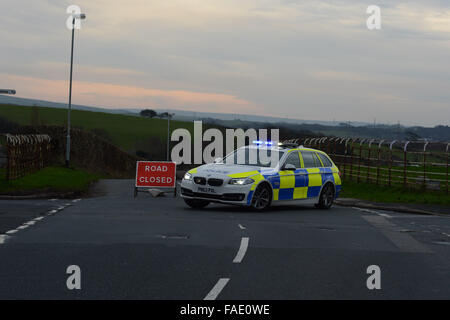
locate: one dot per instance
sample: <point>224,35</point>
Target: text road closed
<point>155,174</point>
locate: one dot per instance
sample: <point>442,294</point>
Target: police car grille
<point>200,180</point>
<point>215,182</point>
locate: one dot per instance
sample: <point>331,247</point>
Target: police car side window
<point>293,159</point>
<point>308,159</point>
<point>326,162</point>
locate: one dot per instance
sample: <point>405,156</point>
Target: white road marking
<point>384,215</point>
<point>52,199</point>
<point>53,211</point>
<point>3,238</point>
<point>38,218</point>
<point>30,223</point>
<point>76,200</point>
<point>365,210</point>
<point>22,227</point>
<point>242,250</point>
<point>215,291</point>
<point>11,231</point>
<point>241,227</point>
<point>401,240</point>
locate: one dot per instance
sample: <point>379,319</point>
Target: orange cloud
<point>122,96</point>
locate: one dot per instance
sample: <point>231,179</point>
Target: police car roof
<point>280,148</point>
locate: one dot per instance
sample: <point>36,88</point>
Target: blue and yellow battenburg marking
<point>288,185</point>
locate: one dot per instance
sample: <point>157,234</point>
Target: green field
<point>372,192</point>
<point>127,132</point>
<point>49,179</point>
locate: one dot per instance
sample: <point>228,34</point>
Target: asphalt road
<point>157,248</point>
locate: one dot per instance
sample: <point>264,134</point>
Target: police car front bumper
<point>226,193</point>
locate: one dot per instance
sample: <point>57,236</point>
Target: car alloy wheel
<point>261,198</point>
<point>326,198</point>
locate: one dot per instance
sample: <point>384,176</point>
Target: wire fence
<point>26,154</point>
<point>411,164</point>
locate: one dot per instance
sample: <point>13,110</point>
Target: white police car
<point>246,178</point>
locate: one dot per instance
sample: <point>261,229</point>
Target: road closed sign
<point>155,174</point>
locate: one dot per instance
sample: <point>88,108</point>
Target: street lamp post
<point>80,16</point>
<point>168,134</point>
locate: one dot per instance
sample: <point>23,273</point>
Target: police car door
<point>288,178</point>
<point>312,164</point>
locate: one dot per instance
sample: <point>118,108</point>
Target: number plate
<point>206,190</point>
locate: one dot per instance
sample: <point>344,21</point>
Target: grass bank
<point>372,192</point>
<point>50,179</point>
<point>125,131</point>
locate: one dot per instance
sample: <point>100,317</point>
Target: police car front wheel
<point>196,203</point>
<point>326,198</point>
<point>261,198</point>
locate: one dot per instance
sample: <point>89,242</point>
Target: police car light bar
<point>259,142</point>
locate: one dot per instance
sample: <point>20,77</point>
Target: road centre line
<point>215,291</point>
<point>241,227</point>
<point>242,250</point>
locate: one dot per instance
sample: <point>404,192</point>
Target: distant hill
<point>126,139</point>
<point>181,115</point>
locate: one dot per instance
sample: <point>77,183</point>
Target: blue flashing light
<point>259,142</point>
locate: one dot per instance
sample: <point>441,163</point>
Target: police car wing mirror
<point>218,160</point>
<point>288,166</point>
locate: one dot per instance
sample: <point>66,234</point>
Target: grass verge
<point>50,179</point>
<point>372,192</point>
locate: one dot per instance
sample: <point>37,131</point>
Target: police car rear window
<point>310,160</point>
<point>326,162</point>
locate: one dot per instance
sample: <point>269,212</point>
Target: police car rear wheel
<point>196,204</point>
<point>326,198</point>
<point>261,198</point>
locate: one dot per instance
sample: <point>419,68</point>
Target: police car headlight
<point>241,181</point>
<point>187,176</point>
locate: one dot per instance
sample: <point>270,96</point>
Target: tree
<point>148,113</point>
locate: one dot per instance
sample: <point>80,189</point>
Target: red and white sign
<point>155,174</point>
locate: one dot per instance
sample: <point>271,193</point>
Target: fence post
<point>390,162</point>
<point>424,169</point>
<point>404,169</point>
<point>447,170</point>
<point>359,161</point>
<point>351,161</point>
<point>378,162</point>
<point>390,167</point>
<point>425,165</point>
<point>405,163</point>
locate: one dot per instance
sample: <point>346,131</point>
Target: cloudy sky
<point>297,59</point>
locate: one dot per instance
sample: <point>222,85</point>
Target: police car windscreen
<point>259,157</point>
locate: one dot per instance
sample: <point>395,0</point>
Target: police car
<point>293,174</point>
